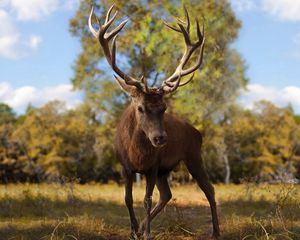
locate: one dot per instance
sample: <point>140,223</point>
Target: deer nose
<point>160,140</point>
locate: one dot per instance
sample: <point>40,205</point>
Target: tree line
<point>53,143</point>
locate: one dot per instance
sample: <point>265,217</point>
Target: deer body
<point>150,141</point>
<point>136,152</point>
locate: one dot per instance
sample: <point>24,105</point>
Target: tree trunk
<point>227,169</point>
<point>138,179</point>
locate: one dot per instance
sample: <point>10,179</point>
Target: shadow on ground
<point>260,208</point>
<point>42,218</point>
<point>38,217</point>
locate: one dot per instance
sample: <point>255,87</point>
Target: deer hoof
<point>216,236</point>
<point>148,237</point>
<point>141,227</point>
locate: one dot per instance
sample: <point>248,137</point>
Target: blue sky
<point>269,41</point>
<point>37,51</point>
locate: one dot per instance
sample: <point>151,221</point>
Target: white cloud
<point>280,97</point>
<point>33,9</point>
<point>283,9</point>
<point>71,4</point>
<point>19,98</point>
<point>243,5</point>
<point>292,94</point>
<point>4,3</point>
<point>13,44</point>
<point>9,37</point>
<point>34,41</point>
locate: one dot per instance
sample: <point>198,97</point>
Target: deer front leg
<point>165,196</point>
<point>150,183</point>
<point>129,203</point>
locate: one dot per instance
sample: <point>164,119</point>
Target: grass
<point>71,211</point>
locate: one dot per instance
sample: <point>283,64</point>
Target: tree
<point>58,142</point>
<point>280,138</point>
<point>261,144</point>
<point>147,48</point>
<point>297,119</point>
<point>15,163</point>
<point>241,132</point>
<point>6,114</point>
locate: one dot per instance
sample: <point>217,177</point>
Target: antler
<point>104,37</point>
<point>173,82</point>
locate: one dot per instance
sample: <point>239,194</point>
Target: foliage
<point>6,114</point>
<point>261,144</point>
<point>50,143</point>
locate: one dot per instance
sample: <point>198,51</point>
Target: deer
<point>149,140</point>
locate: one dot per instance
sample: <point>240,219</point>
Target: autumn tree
<point>262,144</point>
<point>59,142</point>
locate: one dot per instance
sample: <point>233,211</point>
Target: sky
<point>37,52</point>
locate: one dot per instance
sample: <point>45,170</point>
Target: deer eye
<point>140,108</point>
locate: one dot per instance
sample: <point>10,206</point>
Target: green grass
<point>71,211</point>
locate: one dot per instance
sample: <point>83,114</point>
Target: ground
<point>93,211</point>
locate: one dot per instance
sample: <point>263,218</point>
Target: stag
<point>148,140</point>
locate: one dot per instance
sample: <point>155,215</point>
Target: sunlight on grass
<point>72,211</point>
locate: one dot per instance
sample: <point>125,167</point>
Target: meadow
<point>94,211</point>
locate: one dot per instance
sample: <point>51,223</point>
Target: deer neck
<point>141,149</point>
<point>142,153</point>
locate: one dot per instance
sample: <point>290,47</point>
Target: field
<point>71,211</point>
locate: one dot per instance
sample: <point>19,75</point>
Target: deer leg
<point>150,183</point>
<point>129,203</point>
<point>165,196</point>
<point>197,170</point>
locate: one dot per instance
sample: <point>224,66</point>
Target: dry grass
<point>70,211</point>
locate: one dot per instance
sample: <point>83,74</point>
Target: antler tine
<point>173,82</point>
<point>108,13</point>
<point>181,21</point>
<point>171,27</point>
<point>110,21</point>
<point>185,34</point>
<point>92,29</point>
<point>144,81</point>
<point>190,79</point>
<point>199,34</point>
<point>104,37</point>
<point>117,30</point>
<point>198,62</point>
<point>188,19</point>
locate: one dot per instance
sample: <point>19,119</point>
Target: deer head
<point>148,101</point>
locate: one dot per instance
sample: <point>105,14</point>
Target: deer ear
<point>131,90</point>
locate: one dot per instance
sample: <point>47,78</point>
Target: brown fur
<point>137,154</point>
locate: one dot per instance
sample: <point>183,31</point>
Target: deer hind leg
<point>129,203</point>
<point>196,169</point>
<point>150,183</point>
<point>165,196</point>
